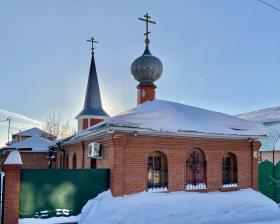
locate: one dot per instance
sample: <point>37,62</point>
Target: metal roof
<point>33,132</point>
<point>269,143</point>
<point>92,104</point>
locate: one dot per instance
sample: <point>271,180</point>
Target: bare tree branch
<point>55,126</point>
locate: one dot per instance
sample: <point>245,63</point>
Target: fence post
<point>255,146</point>
<point>12,167</point>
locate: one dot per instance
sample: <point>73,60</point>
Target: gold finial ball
<point>147,41</point>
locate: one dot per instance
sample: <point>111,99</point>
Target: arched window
<point>157,171</point>
<point>229,170</point>
<point>67,161</point>
<point>74,161</point>
<point>196,170</point>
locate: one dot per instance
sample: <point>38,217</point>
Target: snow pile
<point>165,116</point>
<point>13,158</point>
<point>230,185</point>
<point>236,207</point>
<point>54,220</point>
<point>243,206</point>
<point>198,186</point>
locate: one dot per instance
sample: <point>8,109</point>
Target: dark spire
<point>93,93</point>
<point>92,104</point>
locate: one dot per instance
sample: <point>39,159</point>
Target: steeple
<point>92,112</point>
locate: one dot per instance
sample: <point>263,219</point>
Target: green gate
<point>269,180</point>
<point>59,192</point>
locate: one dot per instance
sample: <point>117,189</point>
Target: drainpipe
<point>83,161</point>
<point>273,172</point>
<point>252,160</point>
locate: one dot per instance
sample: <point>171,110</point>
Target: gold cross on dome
<point>147,21</point>
<point>92,40</point>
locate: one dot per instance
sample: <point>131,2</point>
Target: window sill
<point>198,190</point>
<point>226,189</point>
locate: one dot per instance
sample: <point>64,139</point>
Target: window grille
<point>157,171</point>
<point>196,170</point>
<point>229,170</point>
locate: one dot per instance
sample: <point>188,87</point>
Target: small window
<point>229,170</point>
<point>196,170</point>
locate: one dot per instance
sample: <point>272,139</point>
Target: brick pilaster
<point>11,193</point>
<point>255,146</point>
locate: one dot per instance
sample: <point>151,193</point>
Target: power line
<point>271,6</point>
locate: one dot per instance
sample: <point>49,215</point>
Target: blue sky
<point>218,54</point>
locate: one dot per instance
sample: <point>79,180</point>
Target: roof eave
<point>110,130</point>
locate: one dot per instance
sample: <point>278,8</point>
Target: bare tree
<point>56,126</point>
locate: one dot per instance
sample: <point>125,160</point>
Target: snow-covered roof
<point>264,115</point>
<point>165,117</point>
<point>33,132</point>
<point>270,117</point>
<point>35,143</point>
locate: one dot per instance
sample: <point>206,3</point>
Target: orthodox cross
<point>147,21</point>
<point>92,40</point>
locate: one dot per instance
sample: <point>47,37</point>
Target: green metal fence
<point>49,192</point>
<point>269,180</point>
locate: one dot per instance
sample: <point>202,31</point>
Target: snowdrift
<point>180,207</point>
<point>243,206</point>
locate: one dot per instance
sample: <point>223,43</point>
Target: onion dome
<point>146,68</point>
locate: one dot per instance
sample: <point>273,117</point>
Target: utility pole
<point>9,127</point>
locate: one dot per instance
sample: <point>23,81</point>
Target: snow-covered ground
<point>243,206</point>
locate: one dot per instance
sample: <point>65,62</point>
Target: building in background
<point>33,145</point>
<point>270,118</point>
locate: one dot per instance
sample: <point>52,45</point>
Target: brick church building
<point>161,145</point>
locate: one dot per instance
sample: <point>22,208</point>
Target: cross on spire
<point>147,21</point>
<point>92,40</point>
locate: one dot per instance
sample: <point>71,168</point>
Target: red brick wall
<point>145,93</point>
<point>85,123</point>
<point>11,195</point>
<point>94,121</point>
<point>81,151</point>
<point>127,157</point>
